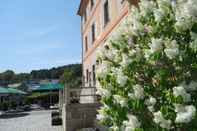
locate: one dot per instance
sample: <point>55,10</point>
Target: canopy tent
<point>49,87</point>
<point>11,91</point>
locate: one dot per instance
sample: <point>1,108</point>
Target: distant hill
<point>10,77</point>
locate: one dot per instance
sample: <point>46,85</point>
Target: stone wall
<point>78,116</point>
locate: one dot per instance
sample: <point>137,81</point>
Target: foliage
<point>54,73</point>
<point>4,106</point>
<point>13,104</point>
<point>9,77</point>
<point>147,71</point>
<point>8,105</point>
<point>72,78</point>
<point>41,95</point>
<point>45,98</point>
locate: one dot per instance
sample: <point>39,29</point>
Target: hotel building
<point>99,18</point>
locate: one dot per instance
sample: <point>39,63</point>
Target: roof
<point>16,91</point>
<point>11,91</point>
<point>81,7</point>
<point>4,90</point>
<point>14,85</point>
<point>49,87</point>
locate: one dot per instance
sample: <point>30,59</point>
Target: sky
<point>39,34</point>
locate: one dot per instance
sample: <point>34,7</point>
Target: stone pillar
<point>67,95</point>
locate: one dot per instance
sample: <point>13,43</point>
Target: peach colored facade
<point>98,20</point>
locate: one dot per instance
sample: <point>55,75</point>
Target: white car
<point>1,113</point>
<point>54,107</point>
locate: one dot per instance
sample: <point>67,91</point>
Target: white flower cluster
<point>159,119</point>
<point>172,49</point>
<point>184,113</point>
<point>146,7</point>
<point>126,60</point>
<point>120,100</point>
<point>132,123</point>
<point>150,103</point>
<point>102,114</point>
<point>180,91</point>
<point>184,90</point>
<point>193,45</point>
<point>138,92</point>
<point>156,45</point>
<point>103,92</point>
<point>186,14</point>
<point>121,78</point>
<point>122,62</point>
<point>159,15</point>
<point>192,86</point>
<point>137,26</point>
<point>103,69</point>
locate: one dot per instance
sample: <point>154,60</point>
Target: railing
<point>81,95</point>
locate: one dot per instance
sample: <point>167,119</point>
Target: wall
<point>78,116</point>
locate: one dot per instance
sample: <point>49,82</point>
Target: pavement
<point>28,121</point>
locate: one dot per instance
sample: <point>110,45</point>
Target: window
<point>120,4</point>
<point>87,75</point>
<point>93,33</point>
<point>90,79</point>
<point>122,1</point>
<point>94,75</point>
<point>85,16</point>
<point>86,44</point>
<point>92,3</point>
<point>106,12</point>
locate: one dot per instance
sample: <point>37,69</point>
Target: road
<point>30,121</point>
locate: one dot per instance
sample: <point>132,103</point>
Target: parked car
<point>54,106</point>
<point>55,113</point>
<point>56,121</point>
<point>26,108</point>
<point>36,107</point>
<point>1,113</point>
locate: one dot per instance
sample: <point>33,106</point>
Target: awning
<point>4,90</point>
<point>16,91</point>
<point>49,87</point>
<point>11,91</point>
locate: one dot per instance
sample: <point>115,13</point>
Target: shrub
<point>12,105</point>
<point>147,71</point>
<point>4,106</point>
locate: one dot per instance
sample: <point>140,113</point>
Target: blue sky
<point>36,34</point>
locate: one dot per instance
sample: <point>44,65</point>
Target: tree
<point>72,76</point>
<point>9,77</point>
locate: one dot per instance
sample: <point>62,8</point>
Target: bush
<point>147,71</point>
<point>12,105</point>
<point>4,106</point>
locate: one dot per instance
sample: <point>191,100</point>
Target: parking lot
<point>28,121</point>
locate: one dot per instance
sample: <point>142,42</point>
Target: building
<point>99,18</point>
<point>11,98</point>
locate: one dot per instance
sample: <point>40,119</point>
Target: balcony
<point>83,95</point>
